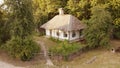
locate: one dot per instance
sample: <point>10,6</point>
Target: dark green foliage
<point>98,2</point>
<point>4,27</point>
<point>85,11</point>
<point>22,15</point>
<point>23,49</point>
<point>98,31</point>
<point>117,33</point>
<point>65,49</point>
<point>1,26</point>
<point>114,9</point>
<point>21,44</point>
<point>79,8</point>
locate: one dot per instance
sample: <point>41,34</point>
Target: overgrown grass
<point>55,40</point>
<point>65,49</point>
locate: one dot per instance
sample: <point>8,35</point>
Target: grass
<point>66,49</point>
<point>49,43</point>
<point>104,58</point>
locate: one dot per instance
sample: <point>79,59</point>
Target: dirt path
<point>48,60</point>
<point>6,65</point>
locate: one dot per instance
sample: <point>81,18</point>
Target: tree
<point>98,31</point>
<point>44,10</point>
<point>85,11</point>
<point>63,3</point>
<point>21,14</point>
<point>114,9</point>
<point>79,8</point>
<point>1,26</point>
<point>73,7</point>
<point>96,2</point>
<point>4,27</point>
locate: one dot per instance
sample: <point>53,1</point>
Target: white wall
<point>61,34</point>
<point>47,32</point>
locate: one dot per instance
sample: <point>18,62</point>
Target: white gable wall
<point>47,32</point>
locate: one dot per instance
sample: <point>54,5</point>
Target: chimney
<point>61,12</point>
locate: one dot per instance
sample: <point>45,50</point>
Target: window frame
<point>57,33</point>
<point>73,34</point>
<point>65,34</point>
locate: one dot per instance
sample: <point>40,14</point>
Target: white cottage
<point>64,27</point>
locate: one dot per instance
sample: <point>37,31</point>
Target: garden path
<point>48,60</point>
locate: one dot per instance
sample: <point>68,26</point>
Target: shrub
<point>116,30</point>
<point>23,49</point>
<point>97,33</point>
<point>65,49</point>
<point>117,33</point>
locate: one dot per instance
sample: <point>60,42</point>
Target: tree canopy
<point>99,26</point>
<point>21,44</point>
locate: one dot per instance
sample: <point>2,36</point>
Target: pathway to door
<point>48,60</point>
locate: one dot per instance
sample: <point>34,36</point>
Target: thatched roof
<point>64,22</point>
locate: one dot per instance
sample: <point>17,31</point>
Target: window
<point>81,31</point>
<point>73,34</point>
<point>65,34</point>
<point>50,32</point>
<point>57,33</point>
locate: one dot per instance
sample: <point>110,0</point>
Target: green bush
<point>23,49</point>
<point>117,33</point>
<point>65,49</point>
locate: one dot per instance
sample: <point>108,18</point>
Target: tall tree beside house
<point>114,9</point>
<point>21,45</point>
<point>98,31</point>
